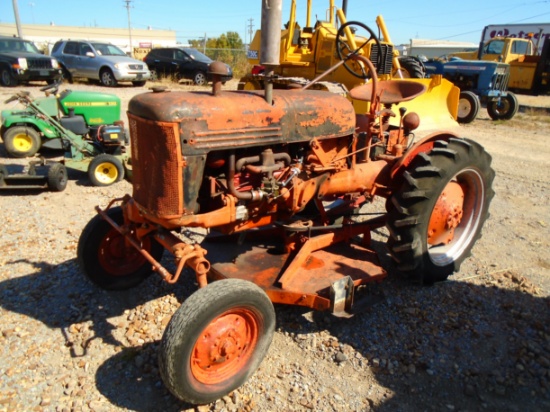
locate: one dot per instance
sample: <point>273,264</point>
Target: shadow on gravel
<point>60,296</point>
<point>452,346</point>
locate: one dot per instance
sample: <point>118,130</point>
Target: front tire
<point>437,215</point>
<point>107,260</point>
<point>22,141</point>
<point>57,177</point>
<point>504,108</point>
<point>216,340</point>
<point>6,77</point>
<point>107,78</point>
<point>105,169</point>
<point>468,107</point>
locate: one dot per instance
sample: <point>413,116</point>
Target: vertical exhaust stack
<point>270,42</point>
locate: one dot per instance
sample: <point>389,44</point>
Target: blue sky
<point>457,21</point>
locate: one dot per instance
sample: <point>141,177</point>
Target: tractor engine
<point>197,152</point>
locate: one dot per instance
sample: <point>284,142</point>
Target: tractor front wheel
<point>504,108</point>
<point>105,169</point>
<point>216,340</point>
<point>22,141</point>
<point>468,107</point>
<point>108,260</point>
<point>437,215</point>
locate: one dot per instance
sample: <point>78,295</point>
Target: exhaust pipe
<point>272,11</point>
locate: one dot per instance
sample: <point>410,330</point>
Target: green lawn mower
<point>85,125</point>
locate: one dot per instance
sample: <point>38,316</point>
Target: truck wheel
<point>216,340</point>
<point>504,108</point>
<point>436,216</point>
<point>22,141</point>
<point>411,68</point>
<point>199,78</point>
<point>107,78</point>
<point>6,78</point>
<point>105,169</point>
<point>107,260</point>
<point>57,177</point>
<point>468,107</point>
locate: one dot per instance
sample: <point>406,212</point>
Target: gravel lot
<point>479,342</point>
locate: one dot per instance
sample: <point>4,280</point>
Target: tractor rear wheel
<point>216,340</point>
<point>57,177</point>
<point>468,107</point>
<point>105,169</point>
<point>504,108</point>
<point>22,141</point>
<point>437,215</point>
<point>411,68</point>
<point>110,262</point>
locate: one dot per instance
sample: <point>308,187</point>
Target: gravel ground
<point>478,342</point>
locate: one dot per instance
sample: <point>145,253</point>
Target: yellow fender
<point>437,107</point>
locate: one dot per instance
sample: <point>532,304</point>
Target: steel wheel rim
<point>118,258</point>
<point>502,107</point>
<point>106,173</point>
<point>464,108</point>
<point>225,346</point>
<point>22,142</point>
<point>471,183</point>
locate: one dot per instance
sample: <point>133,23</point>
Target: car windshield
<point>104,49</point>
<point>197,55</point>
<point>7,45</point>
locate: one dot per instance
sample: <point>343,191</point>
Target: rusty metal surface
<point>266,262</point>
<point>156,160</point>
<point>390,91</point>
<point>243,119</point>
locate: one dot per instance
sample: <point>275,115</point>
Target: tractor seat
<point>390,91</point>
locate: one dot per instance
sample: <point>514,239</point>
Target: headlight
<point>22,63</point>
<point>119,66</point>
<point>55,64</point>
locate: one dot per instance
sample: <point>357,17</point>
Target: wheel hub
<point>224,346</point>
<point>22,142</point>
<point>446,215</point>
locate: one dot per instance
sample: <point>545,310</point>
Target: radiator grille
<point>387,58</point>
<point>156,163</point>
<point>135,66</point>
<point>39,63</point>
<point>501,78</point>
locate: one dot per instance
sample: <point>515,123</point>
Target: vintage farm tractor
<point>276,178</point>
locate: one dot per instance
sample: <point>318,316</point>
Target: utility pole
<point>129,26</point>
<point>17,20</point>
<point>250,30</point>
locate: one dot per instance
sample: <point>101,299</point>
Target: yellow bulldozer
<point>307,51</point>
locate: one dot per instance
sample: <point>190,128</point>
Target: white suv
<point>99,61</point>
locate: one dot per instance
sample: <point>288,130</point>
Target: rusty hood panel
<point>235,119</point>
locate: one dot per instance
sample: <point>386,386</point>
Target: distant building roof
<point>440,43</point>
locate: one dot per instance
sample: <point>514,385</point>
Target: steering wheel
<point>346,46</point>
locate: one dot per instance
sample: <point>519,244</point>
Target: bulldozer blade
<point>437,106</point>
